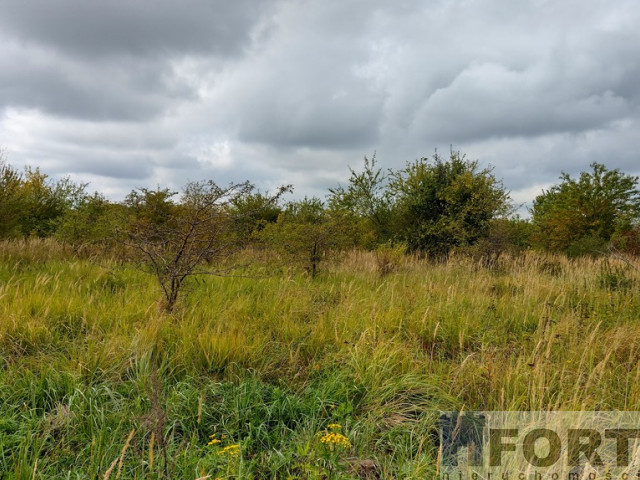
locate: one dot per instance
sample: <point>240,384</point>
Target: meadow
<point>273,374</point>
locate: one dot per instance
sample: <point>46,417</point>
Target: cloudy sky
<point>125,93</point>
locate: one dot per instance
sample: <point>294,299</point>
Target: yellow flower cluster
<point>214,440</point>
<point>336,439</point>
<point>334,426</point>
<point>231,450</point>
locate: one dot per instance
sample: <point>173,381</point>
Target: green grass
<point>271,359</point>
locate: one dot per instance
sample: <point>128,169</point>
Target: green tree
<point>364,203</point>
<point>580,216</point>
<point>94,220</point>
<point>306,232</point>
<point>10,200</point>
<point>254,211</point>
<point>151,208</point>
<point>32,204</point>
<point>440,204</point>
<point>505,235</point>
<point>175,241</point>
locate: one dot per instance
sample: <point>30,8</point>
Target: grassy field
<point>275,375</point>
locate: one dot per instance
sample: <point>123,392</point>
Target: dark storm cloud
<point>122,91</point>
<point>139,28</point>
<point>113,60</point>
<point>127,93</point>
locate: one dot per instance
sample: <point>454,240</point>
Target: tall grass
<point>271,358</point>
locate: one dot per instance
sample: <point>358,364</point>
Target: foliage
<point>510,235</point>
<point>365,202</point>
<point>440,204</point>
<point>253,211</point>
<point>94,221</point>
<point>10,201</point>
<point>46,202</point>
<point>342,377</point>
<point>31,204</point>
<point>580,216</point>
<point>389,257</point>
<point>306,232</point>
<point>176,241</point>
<point>626,238</point>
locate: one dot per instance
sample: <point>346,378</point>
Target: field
<point>341,376</point>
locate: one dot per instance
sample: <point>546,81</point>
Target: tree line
<point>432,207</point>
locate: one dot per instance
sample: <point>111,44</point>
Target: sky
<point>126,94</point>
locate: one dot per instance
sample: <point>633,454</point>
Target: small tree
<point>582,215</point>
<point>365,203</point>
<point>176,241</point>
<point>91,222</point>
<point>441,204</point>
<point>504,235</point>
<point>10,200</point>
<point>46,201</point>
<point>253,212</point>
<point>32,203</point>
<point>306,232</point>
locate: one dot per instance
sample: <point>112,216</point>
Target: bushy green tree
<point>364,203</point>
<point>32,204</point>
<point>10,201</point>
<point>626,238</point>
<point>94,221</point>
<point>511,235</point>
<point>580,216</point>
<point>439,204</point>
<point>46,201</point>
<point>254,211</point>
<point>306,232</point>
<point>151,208</point>
<point>175,241</point>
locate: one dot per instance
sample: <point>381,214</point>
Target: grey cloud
<point>504,70</point>
<point>114,60</point>
<point>294,91</point>
<point>491,101</point>
<point>82,96</point>
<point>303,90</point>
<point>322,121</point>
<point>60,161</point>
<point>127,165</point>
<point>142,28</point>
<point>120,168</point>
<point>524,161</point>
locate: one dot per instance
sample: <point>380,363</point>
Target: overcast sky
<point>124,93</point>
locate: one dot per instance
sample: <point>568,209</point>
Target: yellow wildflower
<point>213,440</point>
<point>231,450</point>
<point>334,426</point>
<point>335,439</point>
